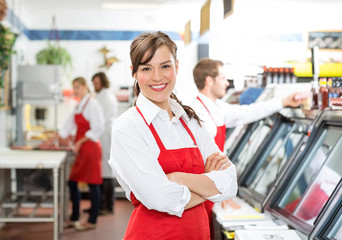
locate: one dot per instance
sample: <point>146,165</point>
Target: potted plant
<point>54,54</point>
<point>7,39</point>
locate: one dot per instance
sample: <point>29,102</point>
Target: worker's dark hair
<point>103,79</point>
<point>142,51</point>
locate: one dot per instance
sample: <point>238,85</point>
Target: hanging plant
<point>54,54</point>
<point>7,40</point>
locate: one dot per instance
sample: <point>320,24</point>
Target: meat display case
<point>313,175</point>
<point>244,149</point>
<point>329,222</point>
<point>272,158</point>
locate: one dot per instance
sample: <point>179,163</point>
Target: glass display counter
<point>273,157</point>
<point>313,176</point>
<point>329,222</point>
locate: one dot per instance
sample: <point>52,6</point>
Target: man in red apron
<point>217,115</point>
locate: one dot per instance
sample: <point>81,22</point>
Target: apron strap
<point>188,130</point>
<point>207,110</point>
<point>85,104</point>
<point>154,132</point>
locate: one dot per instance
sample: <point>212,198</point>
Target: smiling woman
<point>173,165</point>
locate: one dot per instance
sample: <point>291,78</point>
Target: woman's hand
<point>77,146</point>
<point>216,161</point>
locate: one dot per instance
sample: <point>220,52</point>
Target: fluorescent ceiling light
<point>129,6</point>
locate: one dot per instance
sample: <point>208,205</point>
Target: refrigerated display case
<point>315,173</point>
<point>272,158</point>
<point>249,143</point>
<point>329,222</point>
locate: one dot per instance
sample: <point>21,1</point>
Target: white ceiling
<point>97,4</point>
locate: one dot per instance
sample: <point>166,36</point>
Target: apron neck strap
<point>207,110</point>
<point>188,130</point>
<point>154,132</point>
<point>85,104</point>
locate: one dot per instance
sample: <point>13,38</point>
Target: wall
<point>270,32</point>
<point>258,33</point>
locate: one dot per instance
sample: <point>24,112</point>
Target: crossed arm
<point>200,185</point>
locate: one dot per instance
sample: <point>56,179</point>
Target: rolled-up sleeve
<point>137,169</point>
<point>225,181</point>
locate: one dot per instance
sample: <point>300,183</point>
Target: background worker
<point>87,120</point>
<point>109,104</point>
<point>218,115</point>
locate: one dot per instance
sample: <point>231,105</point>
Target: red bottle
<point>323,96</point>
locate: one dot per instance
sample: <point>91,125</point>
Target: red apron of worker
<point>87,167</point>
<point>147,224</point>
<point>220,139</point>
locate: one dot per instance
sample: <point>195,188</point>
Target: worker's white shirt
<point>109,104</point>
<point>230,114</point>
<point>134,156</point>
<point>92,113</point>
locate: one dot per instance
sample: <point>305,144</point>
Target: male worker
<point>109,104</point>
<point>217,115</point>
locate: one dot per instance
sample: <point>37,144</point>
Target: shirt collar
<point>82,102</point>
<point>150,110</point>
<point>212,106</point>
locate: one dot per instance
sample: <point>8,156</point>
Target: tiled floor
<point>110,227</point>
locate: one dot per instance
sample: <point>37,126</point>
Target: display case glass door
<point>252,143</point>
<point>276,157</point>
<point>308,191</point>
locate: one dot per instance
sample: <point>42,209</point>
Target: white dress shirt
<point>134,156</point>
<point>232,115</point>
<point>109,104</point>
<point>92,113</point>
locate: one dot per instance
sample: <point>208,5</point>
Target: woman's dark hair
<point>103,79</point>
<point>149,43</point>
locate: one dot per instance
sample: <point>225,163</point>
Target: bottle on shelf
<point>287,75</point>
<point>330,90</point>
<point>275,75</point>
<point>293,76</point>
<point>314,91</point>
<point>281,75</point>
<point>335,85</point>
<point>323,94</point>
<point>339,87</point>
<point>269,76</point>
<point>264,77</point>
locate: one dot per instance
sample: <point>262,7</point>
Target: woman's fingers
<point>217,161</point>
<point>210,164</point>
<point>221,162</point>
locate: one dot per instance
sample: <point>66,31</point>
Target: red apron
<point>220,139</point>
<point>87,166</point>
<point>146,224</point>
